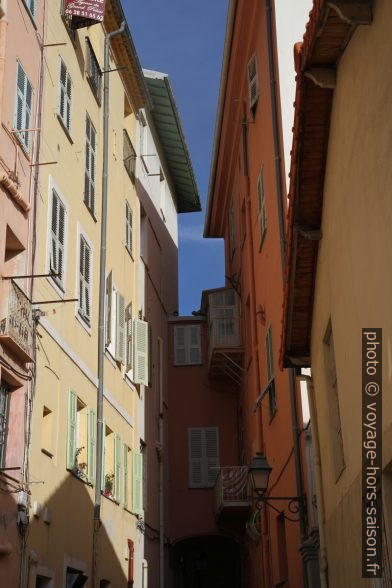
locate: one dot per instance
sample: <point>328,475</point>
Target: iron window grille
<point>94,73</point>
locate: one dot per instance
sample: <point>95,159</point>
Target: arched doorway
<point>211,561</point>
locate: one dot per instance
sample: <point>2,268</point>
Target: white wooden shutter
<point>211,458</point>
<point>91,445</point>
<point>128,227</point>
<point>57,251</point>
<point>125,449</point>
<point>117,468</point>
<point>194,345</point>
<point>65,95</point>
<point>261,196</point>
<point>179,346</point>
<point>71,439</point>
<point>120,328</point>
<point>89,174</point>
<point>85,279</point>
<point>140,346</point>
<point>137,486</point>
<point>128,334</point>
<point>23,104</point>
<point>109,294</point>
<point>195,447</point>
<point>253,81</point>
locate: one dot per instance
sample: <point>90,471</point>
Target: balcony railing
<point>16,326</point>
<point>232,490</point>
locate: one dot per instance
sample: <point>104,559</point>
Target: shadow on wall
<point>10,538</point>
<point>59,549</point>
<point>206,562</point>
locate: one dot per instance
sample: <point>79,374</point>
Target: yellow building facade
<point>62,466</point>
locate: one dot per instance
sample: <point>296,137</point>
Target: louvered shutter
<point>140,346</point>
<point>103,457</point>
<point>71,438</point>
<point>128,227</point>
<point>109,294</point>
<point>137,486</point>
<point>253,81</point>
<point>211,462</point>
<point>125,476</point>
<point>195,447</point>
<point>84,279</point>
<point>120,328</point>
<point>270,358</point>
<point>128,333</point>
<point>65,96</point>
<point>23,104</point>
<point>261,196</point>
<point>194,344</point>
<point>89,174</point>
<point>179,346</point>
<point>117,468</point>
<point>31,7</point>
<point>91,447</point>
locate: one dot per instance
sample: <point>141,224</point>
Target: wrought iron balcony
<point>232,494</point>
<point>16,324</point>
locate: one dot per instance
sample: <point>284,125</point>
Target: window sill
<point>58,287</point>
<point>94,90</point>
<point>80,478</point>
<point>130,253</point>
<point>91,212</point>
<point>83,322</point>
<point>47,452</point>
<point>110,497</point>
<point>110,358</point>
<point>25,150</point>
<point>129,382</point>
<point>272,416</point>
<point>66,131</point>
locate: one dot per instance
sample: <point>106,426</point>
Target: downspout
<point>3,36</point>
<point>281,217</point>
<point>101,314</point>
<point>318,479</point>
<point>161,473</point>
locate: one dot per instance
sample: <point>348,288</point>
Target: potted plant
<point>109,484</point>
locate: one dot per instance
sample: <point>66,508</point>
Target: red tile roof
<point>329,29</point>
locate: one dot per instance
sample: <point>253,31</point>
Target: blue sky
<point>185,40</point>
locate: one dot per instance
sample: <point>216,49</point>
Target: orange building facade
<point>246,206</point>
<point>273,533</point>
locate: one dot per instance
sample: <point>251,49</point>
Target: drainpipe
<point>102,291</point>
<point>161,476</point>
<point>281,217</point>
<point>318,479</point>
<point>3,36</point>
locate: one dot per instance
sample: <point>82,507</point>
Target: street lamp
<point>259,471</point>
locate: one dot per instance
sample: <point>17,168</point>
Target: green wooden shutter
<point>137,486</point>
<point>117,468</point>
<point>71,441</point>
<point>103,457</point>
<point>180,352</point>
<point>91,446</point>
<point>120,328</point>
<point>125,476</point>
<point>109,292</point>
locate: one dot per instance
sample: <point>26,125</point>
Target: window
<point>111,470</point>
<point>4,414</point>
<point>30,5</point>
<point>75,578</point>
<point>128,227</point>
<point>81,438</point>
<point>47,432</point>
<point>129,343</point>
<point>137,488</point>
<point>65,96</point>
<point>231,231</point>
<point>115,322</point>
<point>187,345</point>
<point>23,104</point>
<point>253,83</point>
<point>333,402</point>
<point>203,447</point>
<point>89,173</point>
<point>85,262</point>
<point>94,74</point>
<point>141,352</point>
<point>261,198</point>
<point>270,372</point>
<point>129,156</point>
<point>127,476</point>
<point>57,239</point>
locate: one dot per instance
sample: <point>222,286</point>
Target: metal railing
<point>232,487</point>
<point>17,324</point>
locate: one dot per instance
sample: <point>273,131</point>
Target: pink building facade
<point>21,51</point>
